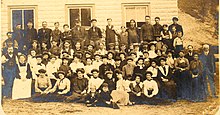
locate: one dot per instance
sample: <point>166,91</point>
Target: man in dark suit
<point>178,27</point>
<point>94,33</point>
<point>157,27</point>
<point>30,34</point>
<point>147,31</point>
<point>110,33</point>
<point>209,70</point>
<point>44,34</point>
<point>78,33</point>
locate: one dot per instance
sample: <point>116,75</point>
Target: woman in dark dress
<point>198,92</point>
<point>140,68</point>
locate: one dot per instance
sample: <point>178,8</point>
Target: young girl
<point>140,68</point>
<point>178,44</point>
<point>22,84</point>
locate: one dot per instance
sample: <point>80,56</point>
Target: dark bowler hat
<point>94,70</point>
<point>149,72</point>
<point>122,53</point>
<point>175,18</point>
<point>41,71</point>
<point>80,70</point>
<point>61,72</point>
<point>117,58</point>
<point>108,72</point>
<point>68,41</point>
<point>112,52</point>
<point>104,85</point>
<point>38,56</point>
<point>96,54</point>
<point>93,20</point>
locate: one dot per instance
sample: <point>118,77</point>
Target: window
<point>82,12</point>
<point>136,12</point>
<point>21,15</point>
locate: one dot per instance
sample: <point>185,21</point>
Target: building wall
<point>55,10</point>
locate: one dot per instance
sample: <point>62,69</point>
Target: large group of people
<point>106,68</point>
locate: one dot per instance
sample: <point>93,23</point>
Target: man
<point>95,80</point>
<point>209,69</point>
<point>56,33</point>
<point>110,33</point>
<point>133,33</point>
<point>10,71</point>
<point>30,34</point>
<point>19,37</point>
<point>190,53</point>
<point>44,34</point>
<point>157,27</point>
<point>178,27</point>
<point>78,33</point>
<point>128,68</point>
<point>94,33</point>
<point>9,42</point>
<point>147,31</point>
<point>66,35</point>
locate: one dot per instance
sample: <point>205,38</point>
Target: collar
<point>162,70</point>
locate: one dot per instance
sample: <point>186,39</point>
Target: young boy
<point>110,81</point>
<point>123,37</point>
<point>95,80</point>
<point>92,97</point>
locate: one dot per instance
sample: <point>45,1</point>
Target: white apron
<point>22,87</point>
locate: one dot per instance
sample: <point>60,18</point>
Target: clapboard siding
<point>56,11</point>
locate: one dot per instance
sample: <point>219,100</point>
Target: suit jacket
<point>94,35</point>
<point>44,34</point>
<point>110,34</point>
<point>29,35</point>
<point>178,28</point>
<point>78,33</point>
<point>208,62</point>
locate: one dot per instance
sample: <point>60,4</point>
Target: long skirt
<point>198,92</point>
<point>120,96</point>
<point>168,90</point>
<point>21,89</point>
<point>184,86</point>
<point>178,48</point>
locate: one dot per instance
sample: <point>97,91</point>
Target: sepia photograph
<point>109,57</point>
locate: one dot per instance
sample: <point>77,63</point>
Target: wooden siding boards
<point>55,10</point>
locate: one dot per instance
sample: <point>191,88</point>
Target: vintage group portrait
<point>155,57</point>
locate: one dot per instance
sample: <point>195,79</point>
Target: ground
<point>202,33</point>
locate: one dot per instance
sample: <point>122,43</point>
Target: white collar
<point>162,70</point>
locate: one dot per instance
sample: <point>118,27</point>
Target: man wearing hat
<point>55,49</point>
<point>9,42</point>
<point>105,66</point>
<point>94,33</point>
<point>44,34</point>
<point>209,69</point>
<point>147,31</point>
<point>110,33</point>
<point>78,33</point>
<point>68,48</point>
<point>110,81</point>
<point>30,34</point>
<point>175,23</point>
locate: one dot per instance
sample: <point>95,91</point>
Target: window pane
<point>130,13</point>
<point>141,13</point>
<point>85,17</point>
<point>28,15</point>
<point>74,14</point>
<point>16,18</point>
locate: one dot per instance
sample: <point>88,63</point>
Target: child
<point>150,86</point>
<point>92,97</point>
<point>97,61</point>
<point>166,36</point>
<point>159,43</point>
<point>110,81</point>
<point>68,48</point>
<point>128,68</point>
<point>178,43</point>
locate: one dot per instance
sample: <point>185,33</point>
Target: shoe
<point>115,106</point>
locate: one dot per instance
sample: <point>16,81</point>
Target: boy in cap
<point>30,34</point>
<point>94,33</point>
<point>175,24</point>
<point>157,27</point>
<point>66,35</point>
<point>44,34</point>
<point>91,98</point>
<point>68,48</point>
<point>110,33</point>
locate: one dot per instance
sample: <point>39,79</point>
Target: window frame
<point>78,6</point>
<point>22,7</point>
<point>124,5</point>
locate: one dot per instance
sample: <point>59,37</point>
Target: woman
<point>22,83</point>
<point>120,94</point>
<point>183,79</point>
<point>140,68</point>
<point>60,90</point>
<point>198,92</point>
<point>42,86</point>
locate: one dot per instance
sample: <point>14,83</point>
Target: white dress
<point>21,87</point>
